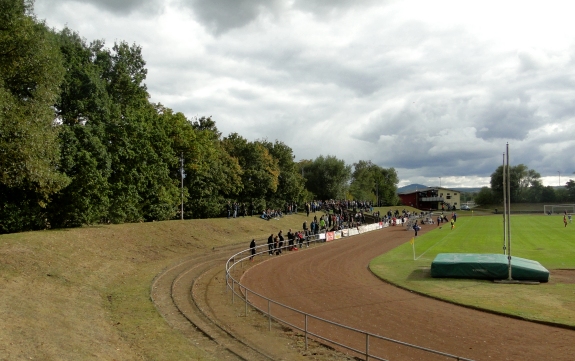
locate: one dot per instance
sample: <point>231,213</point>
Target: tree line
<point>525,187</point>
<point>80,142</point>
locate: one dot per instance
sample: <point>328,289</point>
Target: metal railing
<point>358,341</point>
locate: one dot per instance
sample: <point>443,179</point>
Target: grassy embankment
<point>540,238</point>
<point>84,293</point>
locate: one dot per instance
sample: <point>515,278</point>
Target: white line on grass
<point>436,243</point>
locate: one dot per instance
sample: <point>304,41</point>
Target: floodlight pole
<point>509,216</point>
<point>504,208</point>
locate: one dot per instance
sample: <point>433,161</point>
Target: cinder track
<point>192,297</point>
<point>181,300</point>
<point>335,283</point>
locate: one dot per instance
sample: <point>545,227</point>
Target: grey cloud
<point>507,120</point>
<point>122,7</point>
<point>220,16</point>
<point>332,7</point>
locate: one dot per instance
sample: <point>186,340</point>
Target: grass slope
<point>82,294</point>
<point>540,238</point>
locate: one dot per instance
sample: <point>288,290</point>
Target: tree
<point>521,180</point>
<point>211,174</point>
<point>327,177</point>
<point>570,187</point>
<point>83,108</point>
<point>548,195</point>
<point>484,197</point>
<point>363,183</point>
<point>291,183</point>
<point>259,170</point>
<point>30,73</point>
<point>375,183</point>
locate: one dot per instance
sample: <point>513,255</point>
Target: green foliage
<point>525,184</point>
<point>484,196</point>
<point>570,190</point>
<point>260,170</point>
<point>211,174</point>
<point>327,177</point>
<point>290,182</point>
<point>374,183</point>
<point>548,195</point>
<point>30,72</point>
<point>84,108</point>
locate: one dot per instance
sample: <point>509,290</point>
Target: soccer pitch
<point>540,238</point>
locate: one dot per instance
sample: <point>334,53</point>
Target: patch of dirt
<point>562,276</point>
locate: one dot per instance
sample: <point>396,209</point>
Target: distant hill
<point>411,188</point>
<point>467,190</point>
<point>415,187</point>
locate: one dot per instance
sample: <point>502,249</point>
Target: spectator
<point>271,244</point>
<point>252,249</point>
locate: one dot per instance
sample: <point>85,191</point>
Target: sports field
<point>540,238</point>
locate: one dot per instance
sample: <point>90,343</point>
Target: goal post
<point>559,209</point>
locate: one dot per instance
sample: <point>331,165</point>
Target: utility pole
<point>182,188</point>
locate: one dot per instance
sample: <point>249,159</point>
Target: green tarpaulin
<point>487,266</point>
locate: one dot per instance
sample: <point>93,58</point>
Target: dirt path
<point>333,282</point>
<point>192,297</point>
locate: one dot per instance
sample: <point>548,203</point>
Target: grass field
<point>540,238</point>
<point>84,293</point>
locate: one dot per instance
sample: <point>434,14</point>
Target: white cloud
<point>431,88</point>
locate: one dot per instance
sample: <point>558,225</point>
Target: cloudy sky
<point>431,88</point>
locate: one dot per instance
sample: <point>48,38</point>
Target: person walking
<point>252,249</point>
<point>565,220</point>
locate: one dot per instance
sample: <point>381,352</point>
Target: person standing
<point>271,244</point>
<point>415,228</point>
<point>252,249</point>
<point>277,246</point>
<point>281,241</point>
<point>452,224</point>
<point>291,238</point>
<point>565,220</point>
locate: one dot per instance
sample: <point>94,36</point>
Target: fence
<point>362,343</point>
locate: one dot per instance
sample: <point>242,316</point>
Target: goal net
<point>559,209</point>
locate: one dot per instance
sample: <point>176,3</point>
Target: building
<point>432,198</point>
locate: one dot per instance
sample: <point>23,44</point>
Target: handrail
<point>231,262</point>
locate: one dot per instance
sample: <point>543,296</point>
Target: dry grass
<point>81,294</point>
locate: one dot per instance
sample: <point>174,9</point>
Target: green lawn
<point>540,238</point>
